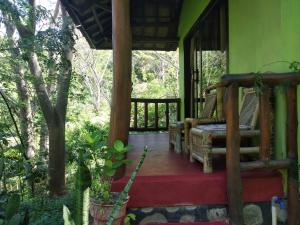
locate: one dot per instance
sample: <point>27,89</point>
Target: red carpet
<point>168,179</point>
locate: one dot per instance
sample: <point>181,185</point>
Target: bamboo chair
<point>203,138</point>
<point>206,118</point>
<point>177,133</point>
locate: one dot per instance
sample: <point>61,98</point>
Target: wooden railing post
<point>234,182</point>
<point>153,125</point>
<point>292,125</point>
<point>265,123</point>
<point>156,115</point>
<point>167,114</point>
<point>178,110</point>
<point>135,115</point>
<point>146,114</point>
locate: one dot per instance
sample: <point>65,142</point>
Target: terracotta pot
<point>101,212</point>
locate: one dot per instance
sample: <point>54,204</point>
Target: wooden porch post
<point>121,92</point>
<point>292,124</point>
<point>234,182</point>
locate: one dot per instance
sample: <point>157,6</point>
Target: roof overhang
<point>154,23</point>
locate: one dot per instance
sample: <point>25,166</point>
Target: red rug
<point>150,191</point>
<point>168,179</point>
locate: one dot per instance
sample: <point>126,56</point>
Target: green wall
<point>264,36</point>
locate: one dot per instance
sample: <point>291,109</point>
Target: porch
<point>167,179</point>
<point>166,174</point>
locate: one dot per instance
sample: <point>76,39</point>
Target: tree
<point>50,49</point>
<point>25,114</point>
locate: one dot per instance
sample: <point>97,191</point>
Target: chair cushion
<point>219,127</point>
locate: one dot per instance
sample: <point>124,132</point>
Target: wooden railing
<point>233,164</point>
<point>164,111</point>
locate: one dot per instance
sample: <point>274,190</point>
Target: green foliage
<point>12,206</point>
<point>1,167</point>
<point>82,188</point>
<point>213,67</point>
<point>129,218</point>
<point>295,66</point>
<point>12,215</point>
<point>104,165</point>
<point>124,194</point>
<point>67,216</point>
<point>44,210</point>
<point>258,83</point>
<point>85,138</point>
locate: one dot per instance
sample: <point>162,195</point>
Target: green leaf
<point>1,167</point>
<point>127,221</point>
<point>127,161</point>
<point>12,206</point>
<point>119,145</point>
<point>67,216</point>
<point>131,216</point>
<point>108,163</point>
<point>88,138</point>
<point>117,165</point>
<point>110,173</point>
<point>106,196</point>
<point>15,220</point>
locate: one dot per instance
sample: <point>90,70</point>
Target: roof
<point>154,22</point>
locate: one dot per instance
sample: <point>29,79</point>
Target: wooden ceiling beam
<point>152,24</point>
<point>97,20</point>
<point>155,40</point>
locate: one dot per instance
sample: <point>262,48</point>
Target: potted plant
<point>103,162</point>
<point>104,165</point>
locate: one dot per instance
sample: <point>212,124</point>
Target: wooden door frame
<point>187,46</point>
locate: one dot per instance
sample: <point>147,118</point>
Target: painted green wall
<point>264,36</point>
<point>191,10</point>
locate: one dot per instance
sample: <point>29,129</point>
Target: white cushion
<point>219,127</point>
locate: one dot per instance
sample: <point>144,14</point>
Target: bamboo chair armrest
<point>222,134</point>
<point>210,121</point>
<point>249,133</point>
<point>203,121</point>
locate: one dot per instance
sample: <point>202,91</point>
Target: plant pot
<point>101,212</point>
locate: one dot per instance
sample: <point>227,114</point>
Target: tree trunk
<point>26,121</point>
<point>56,155</point>
<point>25,114</point>
<point>44,141</point>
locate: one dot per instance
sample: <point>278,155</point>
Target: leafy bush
<point>76,140</point>
<point>46,210</point>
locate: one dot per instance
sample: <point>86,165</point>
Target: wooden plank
<point>121,91</point>
<point>142,129</point>
<point>265,123</point>
<point>263,164</point>
<point>156,115</point>
<point>234,183</point>
<point>243,150</point>
<point>292,124</point>
<point>155,100</point>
